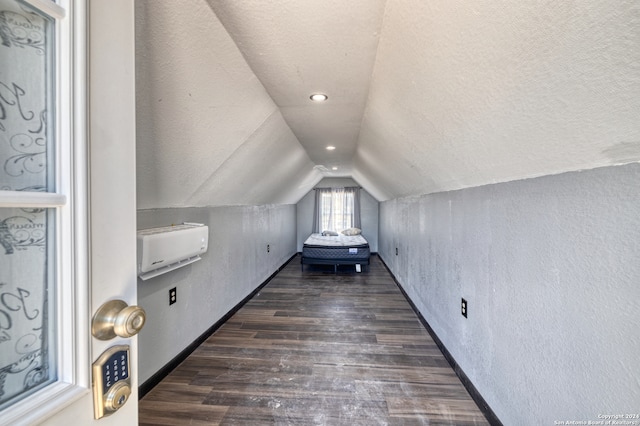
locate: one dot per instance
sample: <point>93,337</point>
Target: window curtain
<point>317,215</point>
<point>336,209</point>
<point>356,208</point>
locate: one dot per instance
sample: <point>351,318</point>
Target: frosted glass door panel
<point>26,98</point>
<point>26,293</point>
<point>27,239</point>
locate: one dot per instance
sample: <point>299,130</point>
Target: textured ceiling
<point>471,94</point>
<point>299,47</point>
<point>424,95</point>
<point>207,132</point>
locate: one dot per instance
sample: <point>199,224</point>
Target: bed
<point>321,249</point>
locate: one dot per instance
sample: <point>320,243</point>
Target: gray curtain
<point>356,208</point>
<point>317,209</point>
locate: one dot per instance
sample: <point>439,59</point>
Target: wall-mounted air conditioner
<point>165,249</point>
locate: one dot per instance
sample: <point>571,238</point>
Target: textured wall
<point>235,264</point>
<point>550,268</point>
<point>467,94</point>
<point>208,134</point>
<point>368,212</point>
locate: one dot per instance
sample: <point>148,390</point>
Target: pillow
<point>352,231</point>
<point>329,234</point>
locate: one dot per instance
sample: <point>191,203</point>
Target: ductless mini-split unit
<point>165,249</point>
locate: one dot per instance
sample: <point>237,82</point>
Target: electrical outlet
<point>268,248</point>
<point>173,296</point>
<point>396,251</point>
<point>463,308</point>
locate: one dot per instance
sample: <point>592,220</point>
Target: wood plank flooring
<point>316,348</point>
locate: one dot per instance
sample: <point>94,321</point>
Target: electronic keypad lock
<point>111,381</point>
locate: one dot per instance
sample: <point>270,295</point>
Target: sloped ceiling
<point>424,95</point>
<point>208,133</point>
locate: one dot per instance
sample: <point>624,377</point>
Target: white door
<point>67,202</point>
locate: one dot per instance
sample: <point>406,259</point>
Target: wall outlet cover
<point>463,308</point>
<point>173,296</point>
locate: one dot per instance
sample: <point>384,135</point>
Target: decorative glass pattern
<point>27,258</point>
<point>25,302</point>
<point>25,97</point>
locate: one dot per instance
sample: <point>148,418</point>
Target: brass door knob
<point>116,318</point>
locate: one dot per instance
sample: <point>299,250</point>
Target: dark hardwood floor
<point>315,348</point>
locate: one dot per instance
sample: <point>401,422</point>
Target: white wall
<point>368,212</point>
<point>467,94</point>
<point>550,268</point>
<point>235,264</point>
<point>208,134</point>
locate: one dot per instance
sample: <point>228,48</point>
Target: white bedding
<point>339,241</point>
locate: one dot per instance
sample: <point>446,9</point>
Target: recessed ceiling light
<point>334,168</point>
<point>318,97</point>
<point>331,148</point>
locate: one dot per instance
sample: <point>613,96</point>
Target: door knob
<point>116,318</point>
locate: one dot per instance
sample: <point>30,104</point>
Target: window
<point>337,209</point>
